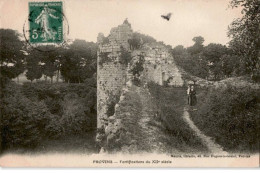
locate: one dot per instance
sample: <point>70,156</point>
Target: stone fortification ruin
<point>111,74</point>
<point>113,70</point>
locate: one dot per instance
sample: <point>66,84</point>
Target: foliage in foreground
<point>36,112</point>
<point>231,116</point>
<point>245,35</point>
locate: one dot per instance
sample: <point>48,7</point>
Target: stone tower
<point>111,74</point>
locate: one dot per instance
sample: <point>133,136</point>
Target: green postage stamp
<point>45,22</point>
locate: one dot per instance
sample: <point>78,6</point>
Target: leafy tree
<point>198,45</point>
<point>79,61</point>
<point>214,60</point>
<point>191,58</point>
<point>198,40</point>
<point>227,64</point>
<point>11,55</point>
<point>195,65</point>
<point>33,66</point>
<point>213,54</point>
<point>245,35</point>
<point>178,50</point>
<point>49,61</point>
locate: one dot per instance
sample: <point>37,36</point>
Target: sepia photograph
<point>129,83</point>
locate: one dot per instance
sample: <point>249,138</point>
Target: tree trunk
<point>51,79</point>
<point>58,76</point>
<point>18,79</point>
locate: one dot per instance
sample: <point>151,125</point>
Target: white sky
<point>207,18</point>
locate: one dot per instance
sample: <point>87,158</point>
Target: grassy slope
<point>140,118</point>
<point>170,103</point>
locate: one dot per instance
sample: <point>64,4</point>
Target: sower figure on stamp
<point>43,20</point>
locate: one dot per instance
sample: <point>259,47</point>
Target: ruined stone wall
<point>111,74</point>
<point>120,35</point>
<point>159,65</point>
<point>111,79</point>
<point>172,72</point>
<point>114,81</point>
<point>152,72</point>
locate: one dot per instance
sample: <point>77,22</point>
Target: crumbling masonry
<point>112,75</point>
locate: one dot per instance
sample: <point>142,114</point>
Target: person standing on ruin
<point>188,93</point>
<point>193,98</point>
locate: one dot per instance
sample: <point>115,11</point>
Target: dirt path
<point>212,146</point>
<point>154,136</point>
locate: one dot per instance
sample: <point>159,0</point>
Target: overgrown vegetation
<point>170,104</point>
<point>124,57</point>
<point>245,36</point>
<point>103,58</point>
<point>136,68</point>
<point>231,116</point>
<point>33,113</point>
<point>36,112</point>
<point>139,39</point>
<point>112,101</point>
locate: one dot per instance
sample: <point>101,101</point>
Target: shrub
<point>36,112</point>
<point>136,68</point>
<point>75,117</point>
<point>23,120</point>
<point>54,129</point>
<point>125,56</point>
<point>231,116</point>
<point>112,101</point>
<point>103,58</point>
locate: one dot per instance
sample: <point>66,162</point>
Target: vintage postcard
<point>129,83</point>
